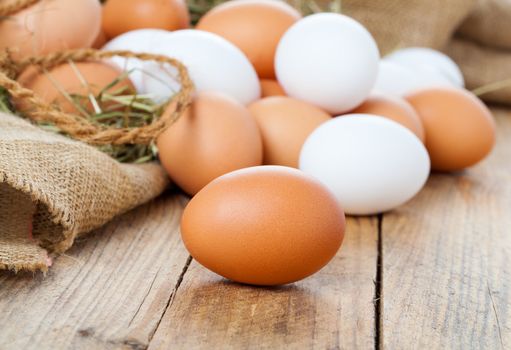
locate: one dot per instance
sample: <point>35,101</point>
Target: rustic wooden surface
<point>434,273</point>
<point>447,259</point>
<point>331,309</point>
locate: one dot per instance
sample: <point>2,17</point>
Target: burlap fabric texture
<point>475,33</point>
<point>401,23</point>
<point>482,48</point>
<point>53,188</point>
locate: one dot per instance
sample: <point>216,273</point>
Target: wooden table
<point>435,273</point>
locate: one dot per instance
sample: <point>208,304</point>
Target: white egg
<point>138,41</point>
<point>428,60</point>
<point>328,60</point>
<point>400,80</point>
<point>370,163</point>
<point>214,64</point>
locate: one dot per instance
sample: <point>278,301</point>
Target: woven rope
<point>82,128</point>
<point>11,7</point>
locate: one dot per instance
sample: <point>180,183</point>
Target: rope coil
<point>11,7</point>
<point>81,128</point>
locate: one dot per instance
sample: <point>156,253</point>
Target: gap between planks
<point>378,289</point>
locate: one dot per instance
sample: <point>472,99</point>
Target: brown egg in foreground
<point>50,86</point>
<point>121,16</point>
<point>50,26</point>
<point>265,225</point>
<point>271,87</point>
<point>214,136</point>
<point>285,124</point>
<point>394,108</point>
<point>254,26</point>
<point>460,130</point>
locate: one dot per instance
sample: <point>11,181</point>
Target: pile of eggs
<point>295,121</point>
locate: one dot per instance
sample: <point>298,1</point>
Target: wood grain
<point>333,309</point>
<point>109,292</point>
<point>446,259</point>
<point>446,282</point>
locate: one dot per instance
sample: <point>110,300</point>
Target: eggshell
<point>394,108</point>
<point>139,41</point>
<point>270,87</point>
<point>329,60</point>
<point>121,16</point>
<point>285,123</point>
<point>371,164</point>
<point>216,135</point>
<point>428,60</point>
<point>254,26</point>
<point>460,130</point>
<point>100,40</point>
<point>214,64</point>
<point>50,26</point>
<point>49,86</point>
<point>266,225</point>
<point>401,80</point>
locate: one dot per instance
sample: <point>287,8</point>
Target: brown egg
<point>270,87</point>
<point>255,26</point>
<point>53,86</point>
<point>216,135</point>
<point>394,108</point>
<point>100,40</point>
<point>50,26</point>
<point>120,16</point>
<point>265,225</point>
<point>285,123</point>
<point>460,130</point>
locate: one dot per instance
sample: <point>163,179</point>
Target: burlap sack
<point>401,23</point>
<point>482,65</point>
<point>433,23</point>
<point>489,24</point>
<point>53,189</point>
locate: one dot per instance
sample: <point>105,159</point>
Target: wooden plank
<point>446,259</point>
<point>330,310</point>
<point>110,291</point>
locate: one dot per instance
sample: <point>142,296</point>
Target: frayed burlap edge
<point>59,212</point>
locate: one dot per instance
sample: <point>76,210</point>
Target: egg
<point>270,87</point>
<point>429,61</point>
<point>401,80</point>
<point>141,41</point>
<point>285,123</point>
<point>100,40</point>
<point>328,60</point>
<point>49,26</point>
<point>371,164</point>
<point>460,130</point>
<point>266,225</point>
<point>255,26</point>
<point>121,16</point>
<point>214,136</point>
<point>67,79</point>
<point>394,108</point>
<point>214,64</point>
